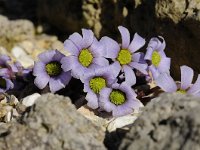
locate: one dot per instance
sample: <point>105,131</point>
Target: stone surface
<point>168,122</point>
<point>53,123</point>
<point>30,100</point>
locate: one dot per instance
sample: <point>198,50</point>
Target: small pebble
<point>30,100</point>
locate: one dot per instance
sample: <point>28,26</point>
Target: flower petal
<point>47,56</point>
<point>104,101</point>
<point>68,62</point>
<point>149,52</point>
<point>125,36</point>
<point>38,68</point>
<point>65,77</point>
<point>164,65</point>
<point>41,81</point>
<point>155,73</point>
<point>130,77</point>
<point>136,43</point>
<point>186,77</point>
<point>121,111</point>
<point>112,47</point>
<point>166,83</point>
<point>136,57</point>
<point>195,88</point>
<point>162,45</point>
<point>77,39</point>
<point>141,67</point>
<point>97,49</point>
<point>88,37</point>
<point>71,48</point>
<point>58,56</point>
<point>101,61</point>
<point>55,84</point>
<point>92,100</point>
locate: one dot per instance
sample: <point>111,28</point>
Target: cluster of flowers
<point>109,70</point>
<point>12,75</point>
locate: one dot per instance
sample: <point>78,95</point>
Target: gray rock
<point>53,123</point>
<point>23,30</point>
<point>168,122</point>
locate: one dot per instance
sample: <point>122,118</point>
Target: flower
<point>5,84</point>
<point>97,79</point>
<point>4,60</point>
<point>120,100</point>
<point>125,55</point>
<point>86,53</point>
<point>156,55</point>
<point>49,70</point>
<point>167,84</point>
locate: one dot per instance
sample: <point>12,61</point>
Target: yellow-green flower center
<point>124,57</point>
<point>97,84</point>
<point>156,58</point>
<point>2,83</point>
<point>85,57</point>
<point>117,97</point>
<point>181,91</point>
<point>53,68</point>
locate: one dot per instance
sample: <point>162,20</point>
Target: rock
<point>18,52</point>
<point>30,100</point>
<point>170,121</point>
<point>53,123</point>
<point>26,61</point>
<point>23,30</point>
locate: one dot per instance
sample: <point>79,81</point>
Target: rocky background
<point>28,27</point>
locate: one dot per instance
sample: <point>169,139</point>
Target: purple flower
<point>125,55</point>
<point>97,79</point>
<point>5,84</point>
<point>155,53</point>
<point>86,53</point>
<point>120,100</point>
<point>49,70</point>
<point>167,84</point>
<point>4,60</point>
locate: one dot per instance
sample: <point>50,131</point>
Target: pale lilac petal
<point>115,69</point>
<point>154,43</point>
<point>112,47</point>
<point>101,61</point>
<point>136,57</point>
<point>41,81</point>
<point>162,45</point>
<point>38,68</point>
<point>104,101</point>
<point>47,56</point>
<point>97,49</point>
<point>125,37</point>
<point>77,39</point>
<point>128,90</point>
<point>5,72</point>
<point>166,83</point>
<point>136,43</point>
<point>9,84</point>
<point>186,77</point>
<point>130,77</point>
<point>155,73</point>
<point>164,65</point>
<point>195,88</point>
<point>78,71</point>
<point>121,111</point>
<point>149,52</point>
<point>68,62</point>
<point>55,84</point>
<point>4,59</point>
<point>141,67</point>
<point>88,37</point>
<point>65,77</point>
<point>92,100</point>
<point>88,75</point>
<point>58,56</point>
<point>71,48</point>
